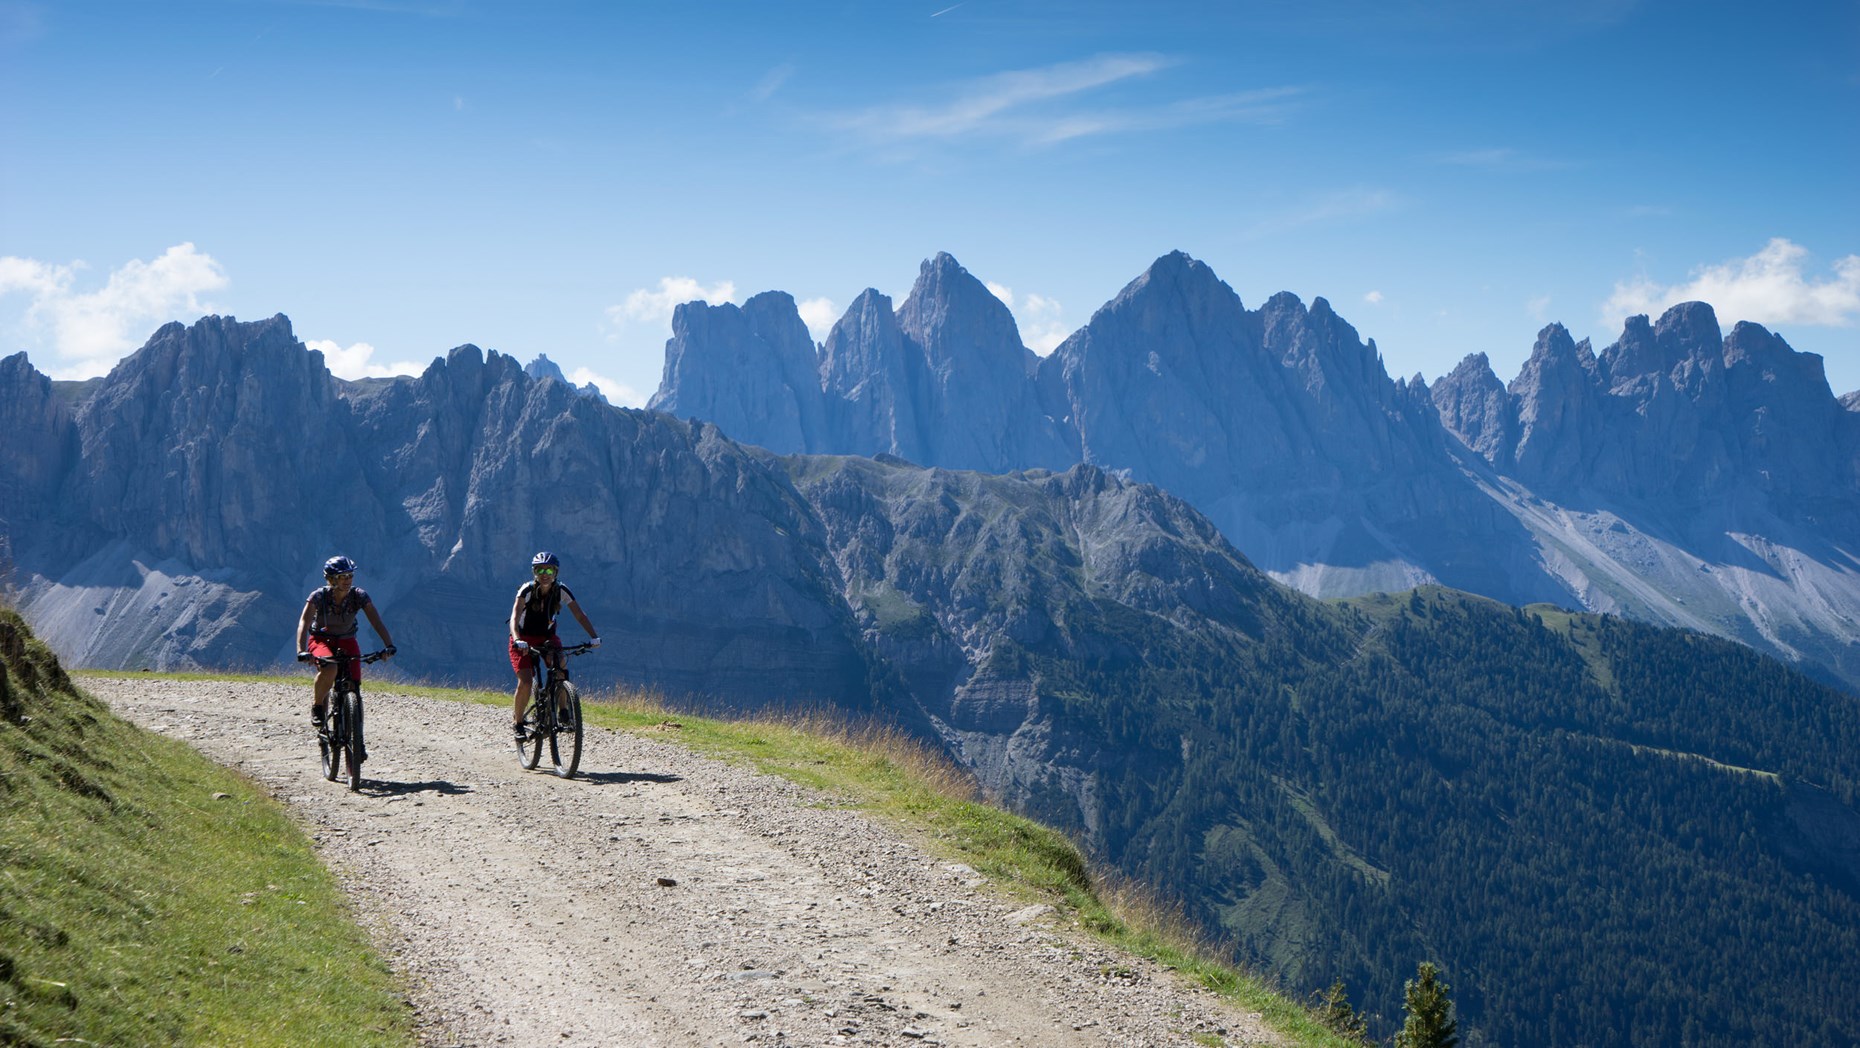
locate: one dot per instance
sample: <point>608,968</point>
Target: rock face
<point>1680,476</point>
<point>216,468</point>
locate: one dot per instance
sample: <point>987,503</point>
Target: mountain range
<point>1606,832</point>
<point>1681,476</point>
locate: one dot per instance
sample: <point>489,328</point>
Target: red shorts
<point>521,659</point>
<point>346,645</point>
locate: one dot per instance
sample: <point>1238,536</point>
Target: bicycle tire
<point>329,752</point>
<point>565,740</point>
<point>529,751</point>
<point>352,736</point>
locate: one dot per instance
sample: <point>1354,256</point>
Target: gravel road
<point>524,909</point>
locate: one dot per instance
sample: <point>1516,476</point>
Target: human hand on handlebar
<point>303,656</point>
<point>387,652</point>
<point>594,642</point>
<point>520,645</point>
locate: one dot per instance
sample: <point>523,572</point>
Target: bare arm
<point>516,609</point>
<point>575,607</point>
<point>303,627</point>
<point>375,621</point>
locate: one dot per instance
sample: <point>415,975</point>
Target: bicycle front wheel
<point>329,745</point>
<point>529,751</point>
<point>352,742</point>
<point>565,742</point>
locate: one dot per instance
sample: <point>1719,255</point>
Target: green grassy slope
<point>148,896</point>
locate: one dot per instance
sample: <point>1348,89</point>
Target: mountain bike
<point>340,738</point>
<point>554,717</point>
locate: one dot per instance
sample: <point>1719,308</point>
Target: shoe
<point>521,733</point>
<point>319,716</point>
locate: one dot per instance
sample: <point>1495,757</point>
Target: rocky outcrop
<point>542,367</point>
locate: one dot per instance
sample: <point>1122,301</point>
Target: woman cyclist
<point>532,626</point>
<point>327,627</point>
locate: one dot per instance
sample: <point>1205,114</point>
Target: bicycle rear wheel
<point>565,741</point>
<point>352,736</point>
<point>529,751</point>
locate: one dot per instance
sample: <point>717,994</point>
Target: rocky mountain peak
<point>1475,406</point>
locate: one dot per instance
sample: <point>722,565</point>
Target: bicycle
<point>554,717</point>
<point>339,740</point>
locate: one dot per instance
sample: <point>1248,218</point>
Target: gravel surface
<point>662,898</point>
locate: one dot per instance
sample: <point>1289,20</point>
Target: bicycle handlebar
<point>331,660</point>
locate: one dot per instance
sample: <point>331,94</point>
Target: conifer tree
<point>1430,1022</point>
<point>1334,1011</point>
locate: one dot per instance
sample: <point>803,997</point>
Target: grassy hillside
<point>150,897</point>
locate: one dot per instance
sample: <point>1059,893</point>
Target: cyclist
<point>532,625</point>
<point>327,627</point>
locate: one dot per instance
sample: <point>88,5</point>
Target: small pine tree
<point>1430,1022</point>
<point>1334,1011</point>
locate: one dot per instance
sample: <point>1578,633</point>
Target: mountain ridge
<point>1681,475</point>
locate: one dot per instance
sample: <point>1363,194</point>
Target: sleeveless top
<point>537,619</point>
<point>332,620</point>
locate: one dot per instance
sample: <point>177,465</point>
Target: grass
<point>148,896</point>
<point>918,791</point>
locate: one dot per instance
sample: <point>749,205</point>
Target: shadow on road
<point>613,778</point>
<point>387,788</point>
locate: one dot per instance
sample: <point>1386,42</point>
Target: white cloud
<point>357,361</point>
<point>1768,288</point>
<point>1002,292</point>
<point>655,307</point>
<point>1042,323</point>
<point>89,331</point>
<point>617,393</point>
<point>1538,308</point>
<point>1374,298</point>
<point>818,314</point>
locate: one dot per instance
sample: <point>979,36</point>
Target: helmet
<point>338,566</point>
<point>545,559</point>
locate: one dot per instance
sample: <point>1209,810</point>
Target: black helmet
<point>545,559</point>
<point>338,566</point>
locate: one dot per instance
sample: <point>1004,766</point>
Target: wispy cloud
<point>1335,206</point>
<point>947,10</point>
<point>1768,288</point>
<point>1040,107</point>
<point>89,331</point>
<point>1041,320</point>
<point>1374,298</point>
<point>357,361</point>
<point>655,306</point>
<point>771,82</point>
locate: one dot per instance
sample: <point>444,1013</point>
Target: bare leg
<point>325,677</point>
<point>521,700</point>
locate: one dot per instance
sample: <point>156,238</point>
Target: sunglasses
<point>344,575</point>
<point>545,571</point>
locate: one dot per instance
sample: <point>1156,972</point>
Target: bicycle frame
<point>340,740</point>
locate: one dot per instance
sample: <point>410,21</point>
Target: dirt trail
<point>523,909</point>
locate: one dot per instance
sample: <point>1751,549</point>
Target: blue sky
<point>403,176</point>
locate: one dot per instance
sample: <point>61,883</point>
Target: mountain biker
<point>327,627</point>
<point>532,626</point>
